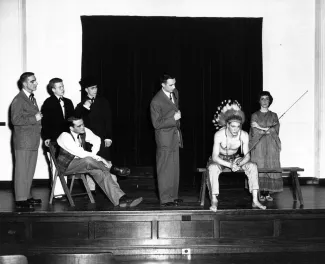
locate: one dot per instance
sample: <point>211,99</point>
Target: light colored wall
<point>54,50</point>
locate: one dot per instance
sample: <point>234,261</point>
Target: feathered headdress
<point>229,110</point>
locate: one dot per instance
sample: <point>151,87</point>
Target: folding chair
<point>54,148</point>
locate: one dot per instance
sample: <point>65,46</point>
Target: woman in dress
<point>266,153</point>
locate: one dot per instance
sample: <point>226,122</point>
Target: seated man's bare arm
<point>245,140</point>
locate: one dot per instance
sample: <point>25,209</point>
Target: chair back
<point>54,148</point>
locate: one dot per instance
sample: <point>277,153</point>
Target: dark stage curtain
<point>213,59</point>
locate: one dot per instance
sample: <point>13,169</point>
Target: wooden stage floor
<point>149,229</point>
<point>229,199</point>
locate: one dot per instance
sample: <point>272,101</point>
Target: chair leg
<point>203,188</point>
<point>66,190</point>
<point>83,178</point>
<point>294,187</point>
<point>53,186</point>
<point>298,189</point>
<point>72,182</point>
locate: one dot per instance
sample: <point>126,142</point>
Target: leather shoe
<point>168,204</point>
<point>126,201</point>
<point>60,198</point>
<point>34,201</point>
<point>24,204</point>
<point>123,171</point>
<point>178,201</point>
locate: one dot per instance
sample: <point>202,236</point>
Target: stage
<point>150,229</point>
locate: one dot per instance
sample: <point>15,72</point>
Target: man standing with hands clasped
<point>165,117</point>
<point>26,121</point>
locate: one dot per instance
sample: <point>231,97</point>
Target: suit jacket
<point>53,121</point>
<point>167,129</point>
<point>27,131</point>
<point>98,119</point>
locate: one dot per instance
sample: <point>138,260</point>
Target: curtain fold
<point>213,59</point>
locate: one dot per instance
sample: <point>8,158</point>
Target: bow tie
<point>91,99</point>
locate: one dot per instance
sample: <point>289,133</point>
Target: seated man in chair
<point>227,141</point>
<point>72,158</point>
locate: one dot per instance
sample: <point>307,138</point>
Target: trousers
<point>214,170</point>
<point>100,174</point>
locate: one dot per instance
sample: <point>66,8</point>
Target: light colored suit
<point>26,139</point>
<point>168,139</point>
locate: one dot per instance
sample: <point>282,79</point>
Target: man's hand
<point>177,115</point>
<point>38,116</point>
<point>108,164</point>
<point>87,104</point>
<point>47,142</point>
<point>108,143</point>
<point>234,167</point>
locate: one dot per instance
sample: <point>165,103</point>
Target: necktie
<point>170,97</point>
<point>92,100</point>
<point>62,105</point>
<point>32,98</point>
<point>80,141</point>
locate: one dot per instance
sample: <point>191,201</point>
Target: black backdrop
<point>213,59</point>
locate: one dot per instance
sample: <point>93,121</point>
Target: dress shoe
<point>168,204</point>
<point>23,204</point>
<point>123,171</point>
<point>34,201</point>
<point>60,198</point>
<point>126,201</point>
<point>178,201</point>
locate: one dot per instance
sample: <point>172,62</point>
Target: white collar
<point>58,96</point>
<point>166,93</point>
<point>75,135</point>
<point>27,93</point>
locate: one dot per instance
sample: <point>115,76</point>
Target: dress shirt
<point>169,94</point>
<point>27,93</point>
<point>61,103</point>
<point>72,145</point>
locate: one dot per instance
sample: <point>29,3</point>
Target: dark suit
<point>168,139</point>
<point>26,139</point>
<point>53,121</point>
<point>99,120</point>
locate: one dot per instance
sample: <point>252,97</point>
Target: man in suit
<point>96,113</point>
<point>26,121</point>
<point>73,158</point>
<point>56,110</point>
<point>165,117</point>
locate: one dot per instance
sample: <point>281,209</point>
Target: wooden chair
<point>293,172</point>
<point>68,191</point>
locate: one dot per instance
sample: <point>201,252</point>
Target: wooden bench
<point>293,172</point>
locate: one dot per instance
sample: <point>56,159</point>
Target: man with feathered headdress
<point>227,141</point>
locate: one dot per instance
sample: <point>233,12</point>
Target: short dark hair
<point>71,119</point>
<point>24,77</point>
<point>266,93</point>
<point>54,81</point>
<point>165,77</point>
